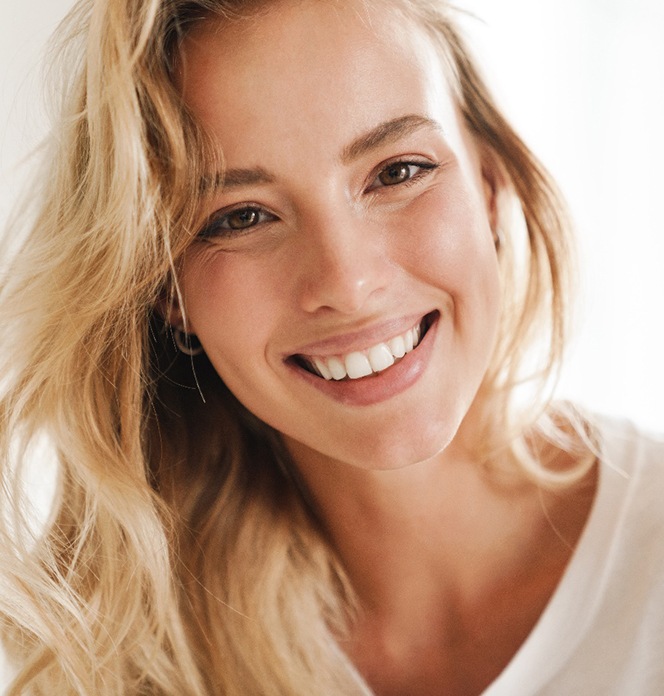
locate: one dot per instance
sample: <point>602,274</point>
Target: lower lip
<point>381,386</point>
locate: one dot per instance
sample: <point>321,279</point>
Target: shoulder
<point>629,505</point>
<point>622,436</point>
<point>619,569</point>
<point>631,459</point>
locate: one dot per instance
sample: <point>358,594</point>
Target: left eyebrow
<point>385,133</point>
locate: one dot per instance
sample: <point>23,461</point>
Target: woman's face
<point>354,215</point>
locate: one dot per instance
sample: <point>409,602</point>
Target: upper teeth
<point>361,364</point>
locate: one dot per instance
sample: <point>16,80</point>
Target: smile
<point>373,360</point>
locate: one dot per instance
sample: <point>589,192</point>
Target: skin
<point>341,258</point>
<point>452,572</point>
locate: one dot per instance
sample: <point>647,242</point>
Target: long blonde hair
<point>180,556</point>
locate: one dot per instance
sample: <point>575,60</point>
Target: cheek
<point>449,241</point>
<point>229,302</point>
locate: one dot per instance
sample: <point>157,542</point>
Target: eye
<point>237,220</point>
<point>396,173</point>
<point>401,172</point>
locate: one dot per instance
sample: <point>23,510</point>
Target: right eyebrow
<point>234,178</point>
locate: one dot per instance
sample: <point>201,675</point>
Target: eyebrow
<point>383,134</point>
<point>234,178</point>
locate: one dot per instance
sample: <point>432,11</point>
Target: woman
<point>273,315</point>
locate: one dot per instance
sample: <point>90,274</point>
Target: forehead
<point>331,68</point>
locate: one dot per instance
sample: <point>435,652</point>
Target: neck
<point>451,568</point>
<point>438,523</point>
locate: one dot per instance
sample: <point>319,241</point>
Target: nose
<point>343,264</point>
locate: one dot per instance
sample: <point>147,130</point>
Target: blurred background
<point>583,82</point>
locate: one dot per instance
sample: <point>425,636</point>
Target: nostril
<point>340,267</point>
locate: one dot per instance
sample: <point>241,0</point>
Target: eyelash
<point>219,226</point>
<point>424,167</point>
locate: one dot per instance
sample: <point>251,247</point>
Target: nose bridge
<point>343,260</point>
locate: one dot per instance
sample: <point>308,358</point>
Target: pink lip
<point>379,387</point>
<point>361,339</point>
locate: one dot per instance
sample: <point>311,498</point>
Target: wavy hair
<point>180,555</point>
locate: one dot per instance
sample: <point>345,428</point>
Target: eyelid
<point>213,226</point>
<point>425,164</point>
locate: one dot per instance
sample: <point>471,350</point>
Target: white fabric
<point>602,633</point>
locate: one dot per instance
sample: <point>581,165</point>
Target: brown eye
<point>242,219</point>
<point>395,174</point>
<point>239,220</point>
<point>402,172</point>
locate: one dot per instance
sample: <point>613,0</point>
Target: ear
<point>168,306</point>
<point>494,182</point>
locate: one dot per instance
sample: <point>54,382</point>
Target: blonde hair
<point>181,556</point>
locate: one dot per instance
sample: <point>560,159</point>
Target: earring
<point>184,344</point>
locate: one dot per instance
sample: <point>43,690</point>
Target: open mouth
<point>371,361</point>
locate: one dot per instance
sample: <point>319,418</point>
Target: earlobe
<point>174,316</point>
<point>168,307</point>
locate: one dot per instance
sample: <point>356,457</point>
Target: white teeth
<point>409,340</point>
<point>357,365</point>
<point>375,359</point>
<point>322,368</point>
<point>397,346</point>
<point>380,357</point>
<point>337,368</point>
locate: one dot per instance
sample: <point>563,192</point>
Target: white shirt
<point>602,633</point>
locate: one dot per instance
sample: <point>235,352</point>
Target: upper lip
<point>360,339</point>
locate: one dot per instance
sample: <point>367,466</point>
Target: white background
<point>583,81</point>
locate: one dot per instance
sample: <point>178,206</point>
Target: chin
<point>390,454</point>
